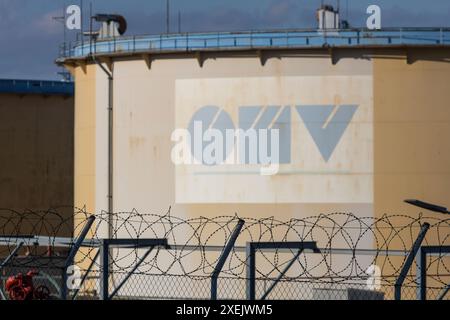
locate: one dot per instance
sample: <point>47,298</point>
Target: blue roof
<point>261,40</point>
<point>37,87</point>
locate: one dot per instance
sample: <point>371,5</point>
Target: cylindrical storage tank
<point>276,124</point>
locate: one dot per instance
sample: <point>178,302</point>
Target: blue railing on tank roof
<point>261,39</point>
<point>36,87</point>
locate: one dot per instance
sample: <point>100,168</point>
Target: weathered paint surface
<point>345,175</point>
<point>406,145</point>
<point>145,117</point>
<point>410,114</point>
<point>85,139</point>
<point>36,135</point>
<point>412,129</point>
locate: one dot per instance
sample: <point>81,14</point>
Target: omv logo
<point>262,136</point>
<point>327,125</point>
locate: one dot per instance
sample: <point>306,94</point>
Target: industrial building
<point>36,135</point>
<point>363,117</point>
<point>270,164</point>
<point>361,120</point>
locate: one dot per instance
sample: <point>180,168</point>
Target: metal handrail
<point>259,39</point>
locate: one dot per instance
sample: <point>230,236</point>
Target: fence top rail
<point>63,242</point>
<point>42,241</point>
<point>435,249</point>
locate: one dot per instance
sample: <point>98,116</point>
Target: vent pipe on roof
<point>113,25</point>
<point>328,17</point>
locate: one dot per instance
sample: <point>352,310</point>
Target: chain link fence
<point>358,257</point>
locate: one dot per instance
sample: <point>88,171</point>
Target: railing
<point>36,87</point>
<point>305,38</point>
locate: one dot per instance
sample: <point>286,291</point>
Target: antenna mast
<point>167,16</point>
<point>63,73</point>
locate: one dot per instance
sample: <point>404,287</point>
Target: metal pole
<point>167,16</point>
<point>82,27</point>
<point>223,258</point>
<point>422,271</point>
<point>110,144</point>
<point>251,271</point>
<point>104,269</point>
<point>409,261</point>
<point>64,28</point>
<point>72,254</point>
<point>110,153</point>
<point>90,28</point>
<point>80,240</point>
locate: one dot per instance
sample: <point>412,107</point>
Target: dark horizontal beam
<point>435,249</point>
<point>137,243</point>
<point>285,245</point>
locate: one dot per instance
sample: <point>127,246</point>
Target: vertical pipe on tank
<point>110,143</point>
<point>110,152</point>
<point>107,269</point>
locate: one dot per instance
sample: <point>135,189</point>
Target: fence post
<point>409,261</point>
<point>422,274</point>
<point>72,254</point>
<point>223,258</point>
<point>104,269</point>
<point>251,271</point>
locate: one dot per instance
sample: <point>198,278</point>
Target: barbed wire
<point>349,244</point>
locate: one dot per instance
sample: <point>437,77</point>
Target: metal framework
<point>73,252</point>
<point>107,244</point>
<point>251,249</point>
<point>422,269</point>
<point>409,261</point>
<point>223,258</point>
<point>104,247</point>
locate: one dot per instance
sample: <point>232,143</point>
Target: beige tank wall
<point>85,138</point>
<point>144,102</point>
<point>36,158</point>
<point>410,115</point>
<point>412,130</point>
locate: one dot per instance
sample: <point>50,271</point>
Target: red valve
<point>20,287</point>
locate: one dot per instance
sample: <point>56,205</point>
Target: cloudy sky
<point>29,37</point>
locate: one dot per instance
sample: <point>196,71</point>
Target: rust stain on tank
<point>135,143</point>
